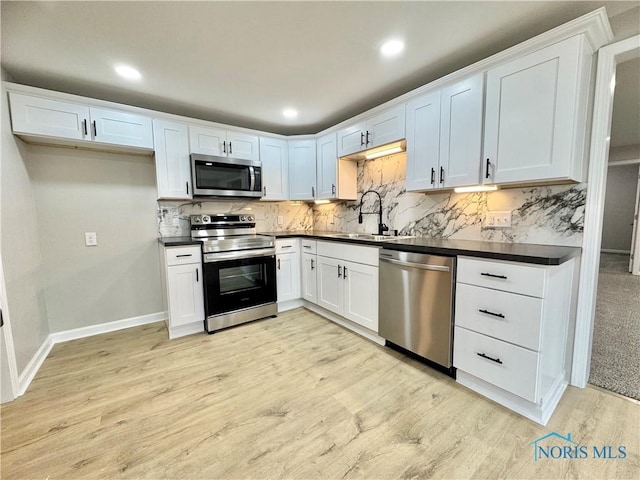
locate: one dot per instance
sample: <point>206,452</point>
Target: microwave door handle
<point>252,177</point>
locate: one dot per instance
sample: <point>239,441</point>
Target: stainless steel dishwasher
<point>416,303</point>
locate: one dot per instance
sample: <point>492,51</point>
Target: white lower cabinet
<point>309,271</point>
<point>349,288</point>
<point>510,337</point>
<point>288,272</point>
<point>183,281</point>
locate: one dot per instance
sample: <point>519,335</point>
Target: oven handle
<point>238,255</point>
<point>252,181</point>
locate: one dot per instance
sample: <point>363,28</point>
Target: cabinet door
<point>423,142</point>
<point>386,127</point>
<point>243,146</point>
<point>186,296</point>
<point>121,128</point>
<point>41,116</point>
<point>351,139</point>
<point>309,277</point>
<point>302,170</point>
<point>531,104</point>
<point>327,166</point>
<point>173,172</point>
<point>275,168</point>
<point>461,132</point>
<point>207,141</point>
<point>288,276</point>
<point>330,286</point>
<point>361,294</point>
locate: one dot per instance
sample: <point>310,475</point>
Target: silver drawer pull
<point>286,246</point>
<point>497,360</point>
<point>185,255</point>
<point>493,276</point>
<point>491,313</point>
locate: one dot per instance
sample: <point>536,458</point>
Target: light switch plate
<point>498,219</point>
<point>90,239</point>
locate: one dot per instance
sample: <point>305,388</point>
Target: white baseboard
<point>30,371</point>
<point>188,329</point>
<point>289,305</point>
<point>107,327</point>
<point>611,250</point>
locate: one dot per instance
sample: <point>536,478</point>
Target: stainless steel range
<point>239,269</point>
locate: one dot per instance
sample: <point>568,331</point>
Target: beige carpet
<point>615,357</point>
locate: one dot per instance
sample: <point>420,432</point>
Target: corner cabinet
<point>183,282</point>
<point>511,324</point>
<point>444,137</point>
<point>536,115</point>
<point>40,118</point>
<point>302,169</point>
<point>274,154</point>
<point>336,178</point>
<point>173,172</point>
<point>223,143</point>
<point>379,129</point>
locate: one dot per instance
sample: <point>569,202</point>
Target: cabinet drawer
<point>308,246</point>
<point>346,251</point>
<point>511,368</point>
<point>507,276</point>
<point>183,255</point>
<point>507,316</point>
<point>287,245</point>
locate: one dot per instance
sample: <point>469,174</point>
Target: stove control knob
<point>196,219</point>
<point>206,218</point>
<point>243,218</point>
<point>249,218</point>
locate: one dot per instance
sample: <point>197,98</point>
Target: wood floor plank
<point>292,397</point>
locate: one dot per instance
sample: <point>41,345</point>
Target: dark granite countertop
<point>178,241</point>
<point>515,252</point>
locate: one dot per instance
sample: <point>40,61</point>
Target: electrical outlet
<point>498,219</point>
<point>90,239</point>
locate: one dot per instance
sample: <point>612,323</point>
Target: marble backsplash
<point>173,217</point>
<point>552,215</point>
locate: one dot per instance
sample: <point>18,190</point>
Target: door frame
<point>608,59</point>
<point>8,338</point>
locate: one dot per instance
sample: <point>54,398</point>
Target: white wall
<point>114,195</point>
<point>20,248</point>
<point>619,207</point>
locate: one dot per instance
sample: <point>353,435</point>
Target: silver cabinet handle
<point>312,267</point>
<point>84,127</point>
<point>313,191</point>
<point>197,276</point>
<point>278,264</point>
<point>333,189</point>
<point>422,266</point>
<point>339,271</point>
<point>230,149</point>
<point>344,274</point>
<point>95,130</point>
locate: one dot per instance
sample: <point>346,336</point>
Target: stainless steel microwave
<point>225,177</point>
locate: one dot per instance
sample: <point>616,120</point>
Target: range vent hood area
<point>377,152</point>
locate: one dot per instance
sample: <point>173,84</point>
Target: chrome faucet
<point>381,226</point>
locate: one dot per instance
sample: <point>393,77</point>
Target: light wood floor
<point>292,397</point>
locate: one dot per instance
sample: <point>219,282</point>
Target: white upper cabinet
<point>380,129</point>
<point>275,168</point>
<point>173,172</point>
<point>444,137</point>
<point>423,141</point>
<point>48,117</point>
<point>336,178</point>
<point>302,170</point>
<point>461,133</point>
<point>223,143</point>
<point>536,115</point>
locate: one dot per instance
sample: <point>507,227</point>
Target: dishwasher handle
<point>422,266</point>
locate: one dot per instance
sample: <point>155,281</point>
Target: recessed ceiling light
<point>391,48</point>
<point>290,113</point>
<point>130,73</point>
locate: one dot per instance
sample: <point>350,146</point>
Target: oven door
<point>220,176</point>
<point>239,280</point>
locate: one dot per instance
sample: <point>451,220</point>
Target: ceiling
<point>242,63</point>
